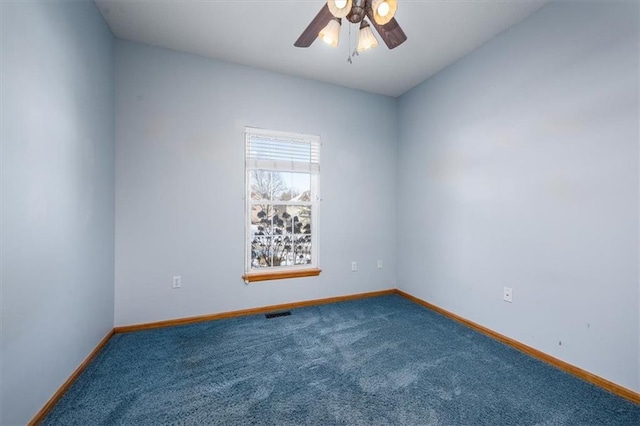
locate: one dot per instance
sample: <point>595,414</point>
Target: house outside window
<point>282,174</point>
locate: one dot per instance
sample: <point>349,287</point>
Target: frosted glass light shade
<point>366,39</point>
<point>384,10</point>
<point>339,8</point>
<point>331,33</point>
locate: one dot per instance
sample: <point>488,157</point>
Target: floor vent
<point>277,314</point>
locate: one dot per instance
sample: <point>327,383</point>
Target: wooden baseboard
<point>562,365</point>
<point>252,311</point>
<point>40,415</point>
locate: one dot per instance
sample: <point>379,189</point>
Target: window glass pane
<point>302,249</point>
<point>295,187</point>
<point>261,219</point>
<point>261,254</point>
<point>283,250</point>
<point>282,219</point>
<point>301,219</point>
<point>266,185</point>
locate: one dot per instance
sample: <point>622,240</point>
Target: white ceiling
<point>261,33</point>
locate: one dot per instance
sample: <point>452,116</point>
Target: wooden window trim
<point>281,275</point>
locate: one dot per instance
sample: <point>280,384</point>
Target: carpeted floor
<point>375,361</point>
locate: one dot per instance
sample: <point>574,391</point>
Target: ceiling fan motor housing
<point>358,11</point>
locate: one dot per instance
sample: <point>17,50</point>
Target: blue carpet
<point>377,361</point>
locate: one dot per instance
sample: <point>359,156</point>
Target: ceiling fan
<point>326,24</point>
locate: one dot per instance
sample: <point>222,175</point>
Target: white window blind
<point>281,151</point>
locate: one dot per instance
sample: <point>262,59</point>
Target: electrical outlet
<point>508,294</point>
<point>354,266</point>
<point>379,263</point>
<point>177,281</point>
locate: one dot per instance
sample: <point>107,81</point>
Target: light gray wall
<point>518,166</point>
<point>180,183</point>
<point>57,193</point>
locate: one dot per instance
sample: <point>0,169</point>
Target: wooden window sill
<point>280,275</point>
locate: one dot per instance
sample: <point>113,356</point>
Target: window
<point>282,216</point>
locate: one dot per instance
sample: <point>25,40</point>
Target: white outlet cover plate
<point>508,294</point>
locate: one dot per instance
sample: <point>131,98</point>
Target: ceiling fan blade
<point>311,32</point>
<point>390,32</point>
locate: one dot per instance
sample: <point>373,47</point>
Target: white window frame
<point>258,162</point>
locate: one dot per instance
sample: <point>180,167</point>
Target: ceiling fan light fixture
<point>366,39</point>
<point>339,8</point>
<point>384,10</point>
<point>331,33</point>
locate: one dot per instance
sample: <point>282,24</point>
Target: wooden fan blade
<point>390,32</point>
<point>311,32</point>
